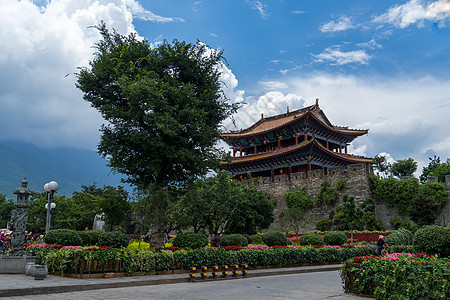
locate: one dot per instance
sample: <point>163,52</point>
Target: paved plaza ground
<point>289,283</point>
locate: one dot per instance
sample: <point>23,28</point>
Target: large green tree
<point>163,107</point>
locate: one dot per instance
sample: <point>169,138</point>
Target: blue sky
<point>377,65</point>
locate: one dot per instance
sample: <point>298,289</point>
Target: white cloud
<point>297,12</point>
<point>42,46</point>
<point>260,7</point>
<point>372,44</point>
<point>273,85</point>
<point>141,13</point>
<point>335,56</point>
<point>344,23</point>
<point>406,117</point>
<point>416,11</point>
<point>269,103</point>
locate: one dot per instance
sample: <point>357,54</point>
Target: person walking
<point>3,243</point>
<point>381,245</point>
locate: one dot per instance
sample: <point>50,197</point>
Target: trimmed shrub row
<point>64,260</point>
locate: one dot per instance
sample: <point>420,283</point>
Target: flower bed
<point>398,276</point>
<point>67,260</point>
<point>358,237</point>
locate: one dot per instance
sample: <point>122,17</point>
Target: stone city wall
<point>356,177</point>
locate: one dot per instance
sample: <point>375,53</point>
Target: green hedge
<point>275,238</point>
<point>141,260</point>
<point>190,240</point>
<point>404,278</point>
<point>234,240</point>
<point>335,238</point>
<point>63,237</point>
<point>312,239</point>
<point>401,236</point>
<point>433,240</point>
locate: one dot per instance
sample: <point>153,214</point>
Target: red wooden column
<point>240,151</point>
<point>305,137</point>
<point>234,151</point>
<point>254,149</point>
<point>328,146</point>
<point>296,138</point>
<point>345,149</point>
<point>279,141</point>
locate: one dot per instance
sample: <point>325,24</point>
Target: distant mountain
<point>69,167</point>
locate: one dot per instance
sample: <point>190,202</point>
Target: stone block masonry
<point>357,186</point>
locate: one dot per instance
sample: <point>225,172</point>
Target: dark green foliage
<point>91,237</point>
<point>234,240</point>
<point>292,219</point>
<point>299,199</point>
<point>215,241</point>
<point>405,167</point>
<point>369,217</point>
<point>6,206</point>
<point>75,213</point>
<point>403,223</point>
<point>340,184</point>
<point>424,210</point>
<point>114,239</point>
<point>323,224</point>
<point>348,216</point>
<point>435,191</point>
<point>335,238</point>
<point>257,239</point>
<point>433,240</point>
<point>63,237</point>
<point>394,192</point>
<point>327,194</point>
<point>381,165</point>
<point>275,238</point>
<point>163,107</point>
<point>190,240</point>
<point>427,170</point>
<point>221,204</point>
<point>441,170</point>
<point>311,239</point>
<point>112,201</point>
<point>402,237</point>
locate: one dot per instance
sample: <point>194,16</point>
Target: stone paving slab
<point>21,285</point>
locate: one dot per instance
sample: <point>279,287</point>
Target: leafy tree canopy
<point>381,164</point>
<point>112,201</point>
<point>441,170</point>
<point>405,167</point>
<point>163,107</point>
<point>427,170</point>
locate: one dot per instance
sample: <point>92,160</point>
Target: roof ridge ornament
<point>317,101</point>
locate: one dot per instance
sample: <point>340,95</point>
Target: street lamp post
<point>49,188</point>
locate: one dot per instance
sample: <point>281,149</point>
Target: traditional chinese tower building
<point>298,141</point>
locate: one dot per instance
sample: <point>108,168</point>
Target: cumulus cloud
<point>416,12</point>
<point>406,117</point>
<point>42,46</point>
<point>269,103</point>
<point>344,23</point>
<point>334,56</point>
<point>260,7</point>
